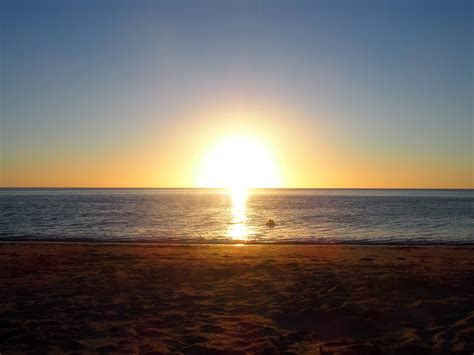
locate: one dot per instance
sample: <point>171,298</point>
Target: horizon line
<point>226,188</point>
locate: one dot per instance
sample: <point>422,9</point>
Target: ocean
<point>348,216</point>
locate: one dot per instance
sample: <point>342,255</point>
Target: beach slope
<point>144,298</point>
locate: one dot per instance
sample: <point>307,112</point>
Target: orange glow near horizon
<point>237,147</point>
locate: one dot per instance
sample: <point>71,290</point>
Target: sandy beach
<point>156,299</point>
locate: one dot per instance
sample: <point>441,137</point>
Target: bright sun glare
<point>239,163</point>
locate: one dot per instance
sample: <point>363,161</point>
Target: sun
<point>239,162</point>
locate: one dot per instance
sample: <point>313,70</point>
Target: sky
<point>344,94</point>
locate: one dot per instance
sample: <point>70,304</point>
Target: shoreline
<point>237,243</point>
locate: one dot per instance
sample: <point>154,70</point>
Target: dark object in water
<point>271,223</point>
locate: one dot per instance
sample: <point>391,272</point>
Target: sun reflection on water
<point>238,229</point>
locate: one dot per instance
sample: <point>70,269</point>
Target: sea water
<point>238,216</point>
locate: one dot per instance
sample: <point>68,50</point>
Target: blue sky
<point>390,80</point>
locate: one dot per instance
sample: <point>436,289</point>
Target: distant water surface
<point>220,216</point>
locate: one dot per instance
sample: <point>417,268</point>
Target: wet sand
<point>123,298</point>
